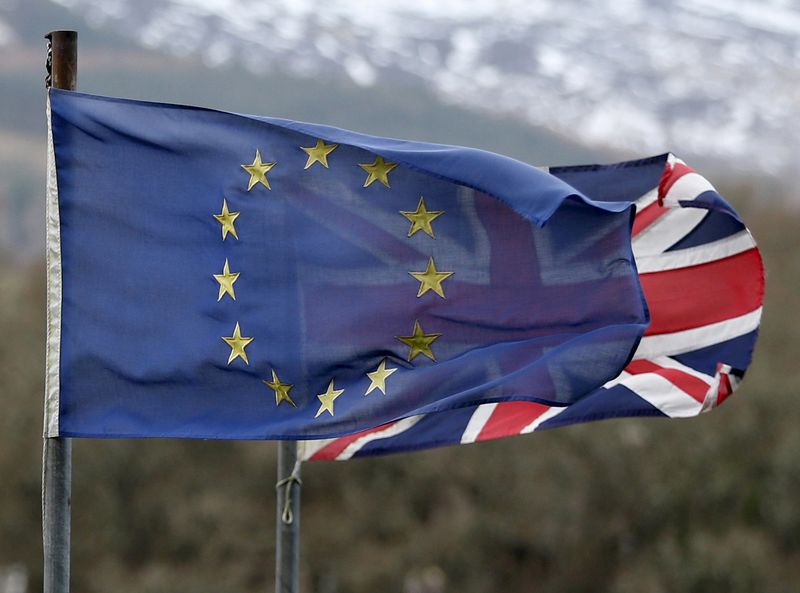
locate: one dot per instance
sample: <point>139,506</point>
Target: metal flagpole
<point>287,531</point>
<point>62,66</point>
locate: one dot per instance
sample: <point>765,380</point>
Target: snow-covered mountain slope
<point>7,35</point>
<point>714,78</point>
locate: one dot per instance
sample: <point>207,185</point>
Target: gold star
<point>318,153</point>
<point>281,390</point>
<point>227,220</point>
<point>226,280</point>
<point>327,399</point>
<point>258,172</point>
<point>421,218</point>
<point>419,342</point>
<point>237,343</point>
<point>378,378</point>
<point>379,170</point>
<point>431,279</point>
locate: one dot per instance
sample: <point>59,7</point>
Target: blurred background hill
<point>702,505</point>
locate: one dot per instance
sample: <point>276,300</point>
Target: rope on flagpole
<point>294,478</point>
<point>287,526</point>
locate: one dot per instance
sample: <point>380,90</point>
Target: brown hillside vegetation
<point>705,505</point>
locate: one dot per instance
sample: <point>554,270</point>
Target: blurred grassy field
<point>702,505</point>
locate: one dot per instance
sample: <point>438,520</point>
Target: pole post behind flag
<point>62,69</point>
<point>287,530</point>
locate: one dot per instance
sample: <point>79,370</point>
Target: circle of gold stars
<point>430,280</point>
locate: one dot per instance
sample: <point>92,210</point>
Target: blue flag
<point>215,275</point>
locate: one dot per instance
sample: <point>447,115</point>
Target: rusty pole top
<point>62,60</point>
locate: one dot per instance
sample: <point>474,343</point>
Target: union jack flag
<point>703,279</point>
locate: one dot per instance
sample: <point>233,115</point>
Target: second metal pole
<point>287,531</point>
<point>56,481</point>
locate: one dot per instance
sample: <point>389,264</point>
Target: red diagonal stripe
<point>332,450</point>
<point>647,216</point>
<point>725,388</point>
<point>670,176</point>
<point>510,418</point>
<point>699,295</point>
<point>696,388</point>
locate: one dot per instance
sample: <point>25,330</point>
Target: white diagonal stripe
<point>687,188</point>
<point>476,422</point>
<point>698,337</point>
<point>647,199</point>
<point>693,256</point>
<point>307,449</point>
<point>390,431</point>
<point>552,412</point>
<point>667,230</point>
<point>662,394</point>
<point>671,363</point>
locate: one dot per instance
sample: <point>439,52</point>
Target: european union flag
<point>216,275</point>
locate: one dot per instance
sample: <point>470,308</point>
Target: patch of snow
<point>360,70</point>
<point>704,76</point>
<point>7,36</point>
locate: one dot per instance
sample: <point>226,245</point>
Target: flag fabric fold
<point>215,275</point>
<point>703,279</point>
